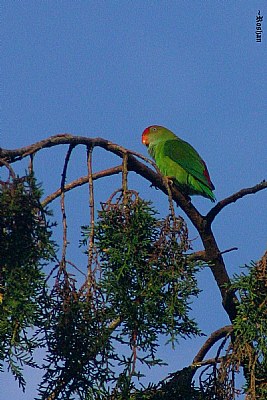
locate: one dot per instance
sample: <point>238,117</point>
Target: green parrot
<point>179,161</point>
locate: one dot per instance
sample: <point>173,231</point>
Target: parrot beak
<point>145,139</point>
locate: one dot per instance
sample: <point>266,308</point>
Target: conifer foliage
<point>100,322</point>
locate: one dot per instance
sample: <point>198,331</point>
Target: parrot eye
<point>154,129</point>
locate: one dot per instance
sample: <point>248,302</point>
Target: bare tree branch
<point>201,254</point>
<point>63,209</point>
<point>211,248</point>
<point>10,169</point>
<point>233,198</point>
<point>213,338</point>
<point>81,181</point>
<point>92,215</point>
<point>209,361</point>
<point>197,256</point>
<point>211,252</point>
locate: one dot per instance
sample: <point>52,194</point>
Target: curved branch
<point>214,337</point>
<point>63,209</point>
<point>211,248</point>
<point>10,169</point>
<point>203,224</point>
<point>133,164</point>
<point>68,139</point>
<point>233,198</point>
<point>201,254</point>
<point>185,376</point>
<point>92,215</point>
<point>81,181</point>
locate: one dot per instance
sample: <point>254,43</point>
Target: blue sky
<point>110,69</point>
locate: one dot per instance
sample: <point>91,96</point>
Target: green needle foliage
<point>250,327</point>
<point>138,288</point>
<point>99,334</point>
<point>100,325</point>
<point>77,338</point>
<point>146,279</point>
<point>25,247</point>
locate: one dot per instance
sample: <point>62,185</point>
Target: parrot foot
<point>170,180</point>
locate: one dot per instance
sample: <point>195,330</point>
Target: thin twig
<point>202,224</point>
<point>201,254</point>
<point>146,159</point>
<point>167,183</point>
<point>124,177</point>
<point>229,250</point>
<point>134,351</point>
<point>92,216</point>
<point>62,205</point>
<point>82,181</point>
<point>233,198</point>
<point>10,169</point>
<point>30,167</point>
<point>209,361</point>
<point>213,338</point>
<point>75,267</point>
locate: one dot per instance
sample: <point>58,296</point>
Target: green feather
<point>178,160</point>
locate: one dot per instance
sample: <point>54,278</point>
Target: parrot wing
<point>187,157</point>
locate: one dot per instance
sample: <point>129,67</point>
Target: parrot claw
<point>170,180</point>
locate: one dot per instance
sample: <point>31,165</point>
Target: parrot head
<point>156,133</point>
